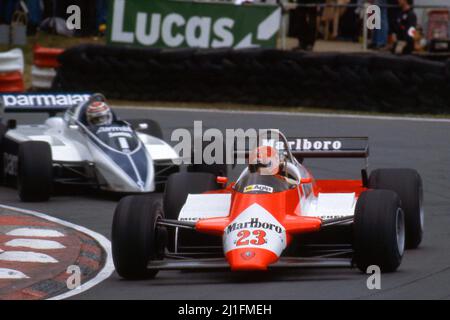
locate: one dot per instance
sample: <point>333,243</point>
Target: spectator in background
<point>49,8</point>
<point>350,25</point>
<point>393,11</point>
<point>337,12</point>
<point>33,7</point>
<point>101,12</point>
<point>7,8</point>
<point>332,14</point>
<point>405,29</point>
<point>306,14</point>
<point>35,10</point>
<point>380,36</point>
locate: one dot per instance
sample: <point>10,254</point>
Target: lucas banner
<point>178,24</point>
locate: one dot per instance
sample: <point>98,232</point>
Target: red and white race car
<point>276,214</point>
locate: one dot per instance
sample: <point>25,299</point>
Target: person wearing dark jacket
<point>306,15</point>
<point>7,8</point>
<point>405,28</point>
<point>393,11</point>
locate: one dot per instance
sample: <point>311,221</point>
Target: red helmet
<point>265,159</point>
<point>99,113</point>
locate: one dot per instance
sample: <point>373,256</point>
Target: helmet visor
<point>100,120</point>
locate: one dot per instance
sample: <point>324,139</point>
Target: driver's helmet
<point>264,160</point>
<point>98,113</point>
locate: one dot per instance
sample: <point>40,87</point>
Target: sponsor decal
<point>251,224</point>
<point>42,100</point>
<point>306,144</point>
<point>255,227</point>
<point>336,216</point>
<point>258,187</point>
<point>190,219</point>
<point>205,206</point>
<point>174,24</point>
<point>114,129</point>
<point>232,146</point>
<point>120,134</point>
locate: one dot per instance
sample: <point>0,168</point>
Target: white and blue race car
<point>124,156</point>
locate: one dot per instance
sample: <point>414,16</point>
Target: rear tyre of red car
<point>178,187</point>
<point>218,167</point>
<point>35,171</point>
<point>407,183</point>
<point>136,238</point>
<point>379,231</point>
<point>180,184</point>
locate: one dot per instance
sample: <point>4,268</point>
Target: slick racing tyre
<point>136,239</point>
<point>3,130</point>
<point>178,187</point>
<point>379,231</point>
<point>180,184</point>
<point>407,183</point>
<point>153,127</point>
<point>35,171</point>
<point>218,169</point>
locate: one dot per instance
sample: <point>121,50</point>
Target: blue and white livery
<point>120,157</point>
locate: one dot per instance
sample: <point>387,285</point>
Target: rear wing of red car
<point>316,147</point>
<point>328,147</point>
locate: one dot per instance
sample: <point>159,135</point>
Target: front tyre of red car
<point>379,231</point>
<point>136,236</point>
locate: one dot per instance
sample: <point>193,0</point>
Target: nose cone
<point>246,259</point>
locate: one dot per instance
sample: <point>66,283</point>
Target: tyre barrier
<point>369,82</point>
<point>11,71</point>
<point>433,56</point>
<point>43,71</point>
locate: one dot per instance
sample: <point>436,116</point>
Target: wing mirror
<point>305,180</point>
<point>11,124</point>
<point>222,180</point>
<point>142,126</point>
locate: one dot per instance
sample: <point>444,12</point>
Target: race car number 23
<point>256,238</point>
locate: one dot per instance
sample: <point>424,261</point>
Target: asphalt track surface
<point>424,273</point>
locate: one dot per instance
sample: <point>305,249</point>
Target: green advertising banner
<point>176,24</point>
